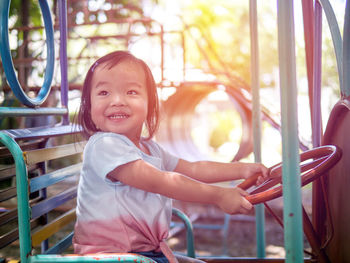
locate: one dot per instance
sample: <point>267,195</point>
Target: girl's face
<point>119,99</point>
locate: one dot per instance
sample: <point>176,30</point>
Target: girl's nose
<point>118,100</point>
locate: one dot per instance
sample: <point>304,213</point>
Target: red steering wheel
<point>313,163</point>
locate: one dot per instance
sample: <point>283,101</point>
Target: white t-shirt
<point>112,216</point>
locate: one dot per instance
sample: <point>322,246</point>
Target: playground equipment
<point>321,160</point>
<point>334,241</point>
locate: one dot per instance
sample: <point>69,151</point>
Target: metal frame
<point>7,59</point>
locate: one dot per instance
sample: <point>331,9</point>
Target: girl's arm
<point>213,172</point>
<point>174,185</point>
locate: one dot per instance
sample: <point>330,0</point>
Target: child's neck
<point>139,144</point>
<point>143,148</point>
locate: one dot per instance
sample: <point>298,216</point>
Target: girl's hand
<point>233,201</point>
<point>251,169</point>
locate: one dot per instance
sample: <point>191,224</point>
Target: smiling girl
<point>127,181</point>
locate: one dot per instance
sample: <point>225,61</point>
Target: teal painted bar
<point>22,196</point>
<point>18,111</point>
<point>38,183</point>
<point>292,213</point>
<point>254,64</point>
<point>189,232</point>
<point>102,258</point>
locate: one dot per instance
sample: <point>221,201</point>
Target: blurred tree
<point>23,14</point>
<point>223,125</point>
<point>219,41</point>
<point>220,37</point>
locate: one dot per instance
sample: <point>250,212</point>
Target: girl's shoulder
<point>155,148</point>
<point>151,144</point>
<point>109,138</point>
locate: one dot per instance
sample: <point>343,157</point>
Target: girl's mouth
<point>118,116</point>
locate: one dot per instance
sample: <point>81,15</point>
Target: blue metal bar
<point>62,5</point>
<point>317,76</point>
<point>7,59</point>
<point>22,196</point>
<point>42,132</point>
<point>346,52</point>
<point>292,212</point>
<point>50,42</point>
<point>47,205</point>
<point>19,112</point>
<point>48,179</point>
<point>61,245</point>
<point>254,49</point>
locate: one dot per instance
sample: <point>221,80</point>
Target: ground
<point>241,235</point>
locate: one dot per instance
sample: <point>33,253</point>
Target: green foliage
<point>224,122</point>
<point>34,12</point>
<point>9,122</point>
<point>219,35</point>
<point>216,34</point>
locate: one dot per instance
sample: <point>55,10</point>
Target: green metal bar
<point>102,258</point>
<point>22,196</point>
<point>189,232</point>
<point>16,112</point>
<point>254,49</point>
<point>292,212</point>
<point>336,37</point>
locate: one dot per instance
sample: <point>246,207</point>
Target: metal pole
<point>292,213</point>
<point>317,60</point>
<point>63,57</point>
<point>346,52</point>
<point>254,64</point>
<point>25,244</point>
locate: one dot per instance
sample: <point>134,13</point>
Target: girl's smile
<point>119,99</point>
<point>118,116</point>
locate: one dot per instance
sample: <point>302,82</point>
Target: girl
<point>127,181</point>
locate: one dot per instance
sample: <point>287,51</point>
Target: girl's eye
<point>132,92</point>
<point>103,93</point>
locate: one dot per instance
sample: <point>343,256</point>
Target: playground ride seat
<point>332,211</point>
<point>314,163</point>
<point>46,195</point>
